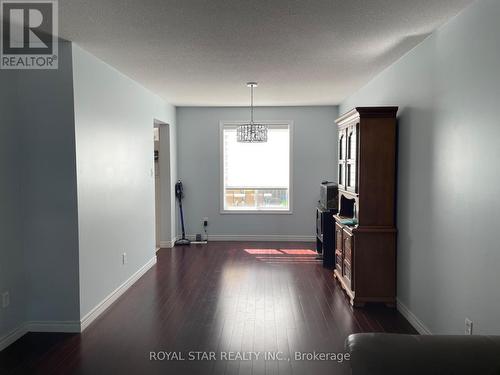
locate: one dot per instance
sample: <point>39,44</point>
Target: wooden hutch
<point>365,229</point>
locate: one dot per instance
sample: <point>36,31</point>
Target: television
<point>329,195</point>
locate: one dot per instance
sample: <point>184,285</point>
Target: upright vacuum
<point>179,194</point>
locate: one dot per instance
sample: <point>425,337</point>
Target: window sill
<point>256,212</point>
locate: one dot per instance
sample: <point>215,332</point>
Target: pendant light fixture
<point>251,132</point>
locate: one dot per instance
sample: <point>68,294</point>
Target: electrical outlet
<point>468,326</point>
<point>124,258</point>
<point>5,300</point>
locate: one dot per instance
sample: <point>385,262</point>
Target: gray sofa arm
<point>388,354</point>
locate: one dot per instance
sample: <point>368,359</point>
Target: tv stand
<point>325,239</point>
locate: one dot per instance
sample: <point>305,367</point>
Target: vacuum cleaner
<point>179,194</point>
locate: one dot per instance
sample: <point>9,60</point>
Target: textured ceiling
<point>201,52</point>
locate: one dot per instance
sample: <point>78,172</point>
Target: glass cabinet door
<point>351,176</point>
<point>352,142</point>
<point>351,172</point>
<point>341,176</point>
<point>342,148</point>
<point>342,145</point>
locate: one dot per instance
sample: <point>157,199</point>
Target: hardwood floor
<point>215,298</point>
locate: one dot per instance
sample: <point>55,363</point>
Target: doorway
<point>162,184</point>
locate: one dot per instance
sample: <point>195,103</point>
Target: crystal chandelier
<point>251,132</point>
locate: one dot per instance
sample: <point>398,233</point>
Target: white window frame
<point>223,124</point>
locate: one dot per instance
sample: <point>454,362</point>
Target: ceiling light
<point>251,132</point>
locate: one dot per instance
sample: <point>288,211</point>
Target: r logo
<point>29,34</point>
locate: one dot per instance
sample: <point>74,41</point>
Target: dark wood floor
<point>217,298</point>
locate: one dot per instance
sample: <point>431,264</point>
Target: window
<point>256,177</point>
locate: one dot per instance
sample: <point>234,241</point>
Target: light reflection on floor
<point>288,256</point>
<point>263,251</point>
<point>298,251</point>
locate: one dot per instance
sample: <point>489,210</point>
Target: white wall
<point>313,161</point>
<point>448,90</point>
<point>167,206</point>
<point>39,249</point>
<point>69,210</point>
<point>114,119</point>
<point>12,276</point>
<point>50,231</point>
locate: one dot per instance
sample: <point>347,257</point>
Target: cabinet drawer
<point>338,238</point>
<point>347,273</point>
<point>348,246</point>
<point>338,261</point>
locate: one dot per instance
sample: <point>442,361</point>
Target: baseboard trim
<point>68,326</point>
<point>12,336</point>
<point>114,295</point>
<point>38,326</point>
<point>167,244</point>
<point>258,237</point>
<point>74,326</point>
<point>412,319</point>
